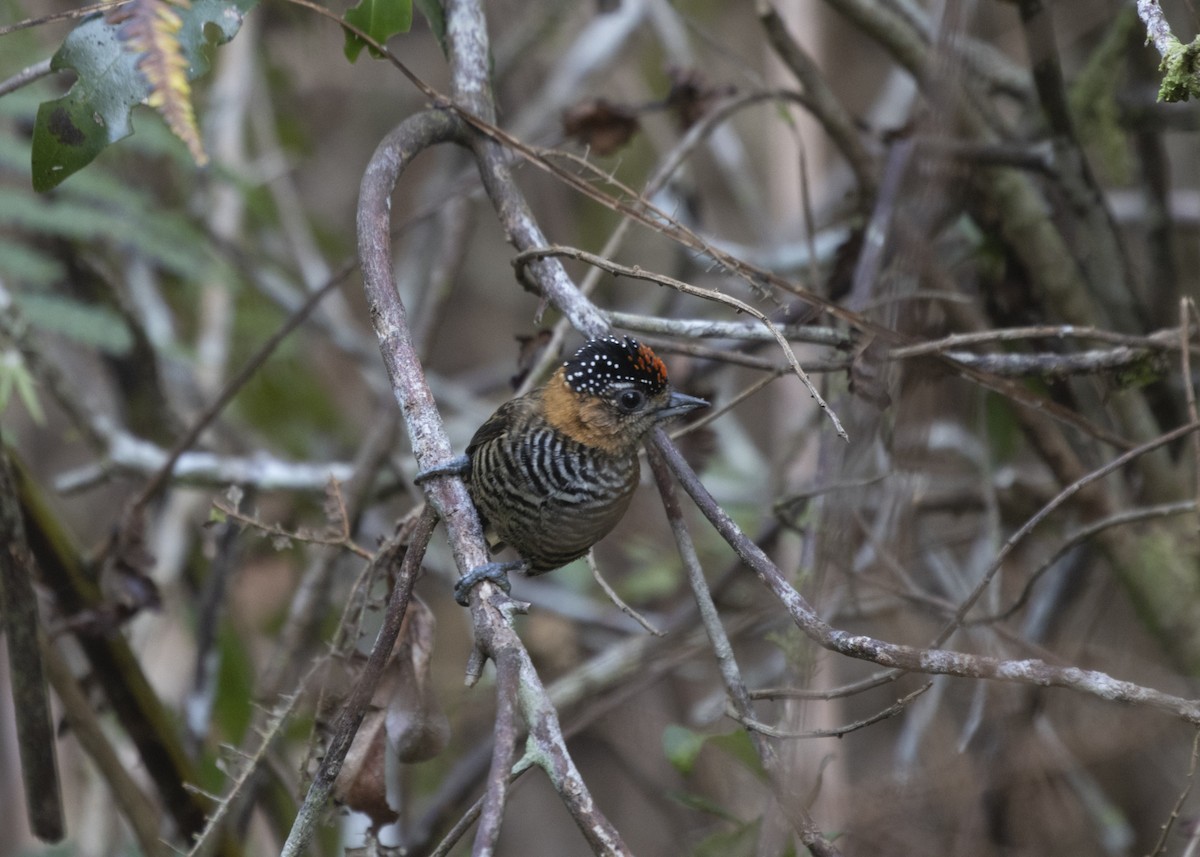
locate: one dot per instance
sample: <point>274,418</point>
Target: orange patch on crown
<point>647,361</point>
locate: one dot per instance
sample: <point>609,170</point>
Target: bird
<point>552,472</point>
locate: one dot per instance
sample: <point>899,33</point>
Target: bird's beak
<point>680,404</point>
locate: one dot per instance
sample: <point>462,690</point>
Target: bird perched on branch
<point>551,472</point>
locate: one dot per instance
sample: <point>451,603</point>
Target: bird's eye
<point>630,401</point>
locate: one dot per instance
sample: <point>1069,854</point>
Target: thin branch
<point>1158,31</point>
<point>617,600</point>
<point>852,689</point>
<point>1160,847</point>
<point>266,730</point>
<point>68,15</point>
<point>340,538</point>
<point>490,610</point>
<point>636,273</point>
<point>825,106</point>
<point>547,747</point>
<point>1043,513</point>
<point>504,743</point>
<point>705,328</point>
<point>910,658</point>
<point>1080,536</point>
<point>1162,340</point>
<point>25,77</point>
<point>835,731</point>
<point>408,557</point>
<point>78,712</point>
<point>738,698</point>
<point>1187,308</point>
<point>1052,365</point>
<point>129,455</point>
<point>230,389</point>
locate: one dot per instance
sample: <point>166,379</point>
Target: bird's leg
<point>496,572</point>
<point>458,466</point>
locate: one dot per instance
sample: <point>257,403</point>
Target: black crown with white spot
<point>606,361</point>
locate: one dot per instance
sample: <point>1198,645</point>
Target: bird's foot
<point>496,572</point>
<point>457,466</point>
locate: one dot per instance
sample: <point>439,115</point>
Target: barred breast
<point>545,495</point>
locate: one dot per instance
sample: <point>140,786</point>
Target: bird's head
<point>611,392</point>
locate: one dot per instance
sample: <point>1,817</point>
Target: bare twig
<point>229,390</point>
<point>1180,62</point>
<point>825,106</point>
<point>840,692</point>
<point>268,728</point>
<point>504,742</point>
<point>68,15</point>
<point>617,600</point>
<point>1160,847</point>
<point>79,714</point>
<point>1162,340</point>
<point>1052,365</point>
<point>739,699</point>
<point>129,455</point>
<point>25,77</point>
<point>1187,308</point>
<point>1158,31</point>
<point>1080,536</point>
<point>408,559</point>
<point>1067,493</point>
<point>340,538</point>
<point>836,731</point>
<point>704,328</point>
<point>909,658</point>
<point>637,273</point>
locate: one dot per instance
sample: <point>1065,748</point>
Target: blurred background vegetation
<point>1013,174</point>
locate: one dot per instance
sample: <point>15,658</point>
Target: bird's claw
<point>457,466</point>
<point>496,572</point>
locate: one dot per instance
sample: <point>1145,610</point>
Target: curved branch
<point>490,610</point>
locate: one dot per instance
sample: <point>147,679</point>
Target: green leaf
<point>739,746</point>
<point>700,803</point>
<point>682,746</point>
<point>742,841</point>
<point>25,389</point>
<point>14,375</point>
<point>379,19</point>
<point>436,18</point>
<point>71,131</point>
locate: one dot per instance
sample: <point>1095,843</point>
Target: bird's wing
<point>494,427</point>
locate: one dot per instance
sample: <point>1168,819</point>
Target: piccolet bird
<point>553,471</point>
